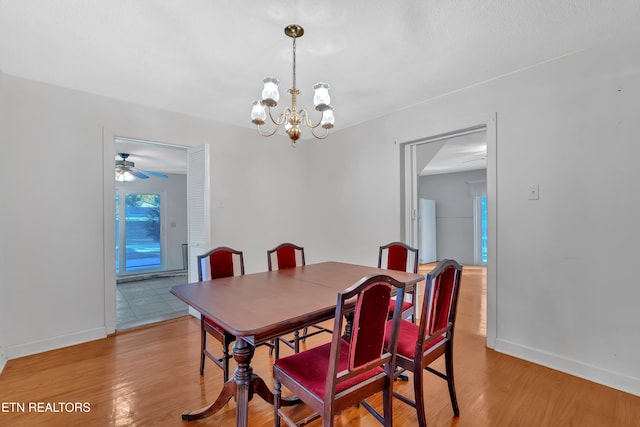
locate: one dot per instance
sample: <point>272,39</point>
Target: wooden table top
<point>263,306</point>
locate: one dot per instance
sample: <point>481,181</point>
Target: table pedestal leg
<point>243,353</point>
<point>241,386</point>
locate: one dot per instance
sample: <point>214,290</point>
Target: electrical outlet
<point>533,192</point>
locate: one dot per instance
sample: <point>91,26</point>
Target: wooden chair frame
<point>412,255</point>
<point>219,334</point>
<point>425,353</point>
<point>332,403</point>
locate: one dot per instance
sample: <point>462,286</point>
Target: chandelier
<point>291,117</point>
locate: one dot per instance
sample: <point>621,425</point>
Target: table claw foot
<point>228,391</point>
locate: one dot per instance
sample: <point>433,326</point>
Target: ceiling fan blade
<point>159,175</point>
<point>138,174</point>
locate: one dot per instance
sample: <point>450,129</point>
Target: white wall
<point>454,212</point>
<point>3,351</point>
<point>3,226</point>
<point>565,291</point>
<point>352,194</point>
<point>53,236</point>
<point>258,193</point>
<point>567,297</point>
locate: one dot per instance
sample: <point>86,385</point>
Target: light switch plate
<point>534,192</point>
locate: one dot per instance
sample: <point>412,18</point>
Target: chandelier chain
<point>294,62</point>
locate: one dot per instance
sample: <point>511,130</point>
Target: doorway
<point>412,157</point>
<point>453,178</point>
<point>151,224</point>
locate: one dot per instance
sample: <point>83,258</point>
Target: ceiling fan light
<point>124,176</point>
<point>270,95</point>
<point>258,113</point>
<point>321,98</point>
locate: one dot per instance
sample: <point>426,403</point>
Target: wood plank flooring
<point>149,376</point>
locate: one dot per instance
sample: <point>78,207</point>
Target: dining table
<point>260,307</point>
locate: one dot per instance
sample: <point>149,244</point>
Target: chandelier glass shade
<point>291,117</point>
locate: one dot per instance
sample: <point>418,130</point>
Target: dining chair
<point>285,256</point>
<point>401,257</point>
<point>342,373</point>
<point>420,345</point>
<point>217,263</point>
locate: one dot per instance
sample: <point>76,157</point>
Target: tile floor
<point>148,301</point>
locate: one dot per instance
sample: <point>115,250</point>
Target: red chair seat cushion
<point>407,337</point>
<point>406,305</point>
<point>309,368</point>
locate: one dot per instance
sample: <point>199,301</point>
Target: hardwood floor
<point>148,376</point>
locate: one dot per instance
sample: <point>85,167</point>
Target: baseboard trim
<point>26,349</point>
<point>576,368</point>
<point>3,358</point>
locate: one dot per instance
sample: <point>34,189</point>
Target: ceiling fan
<point>127,172</point>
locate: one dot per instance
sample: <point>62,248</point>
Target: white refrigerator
<point>427,230</point>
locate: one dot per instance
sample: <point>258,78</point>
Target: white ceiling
<point>151,156</point>
<point>455,154</point>
<point>207,58</point>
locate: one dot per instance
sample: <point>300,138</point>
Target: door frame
<point>409,205</point>
<point>108,221</point>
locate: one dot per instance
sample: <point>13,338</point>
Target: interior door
<point>199,212</point>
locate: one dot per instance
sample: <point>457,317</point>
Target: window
<point>480,235</point>
<point>140,232</point>
<point>117,233</point>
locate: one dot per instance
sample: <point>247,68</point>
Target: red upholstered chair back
<point>220,262</point>
<point>287,255</point>
<point>366,345</point>
<point>440,300</point>
<point>368,322</point>
<point>398,256</point>
<point>401,257</point>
